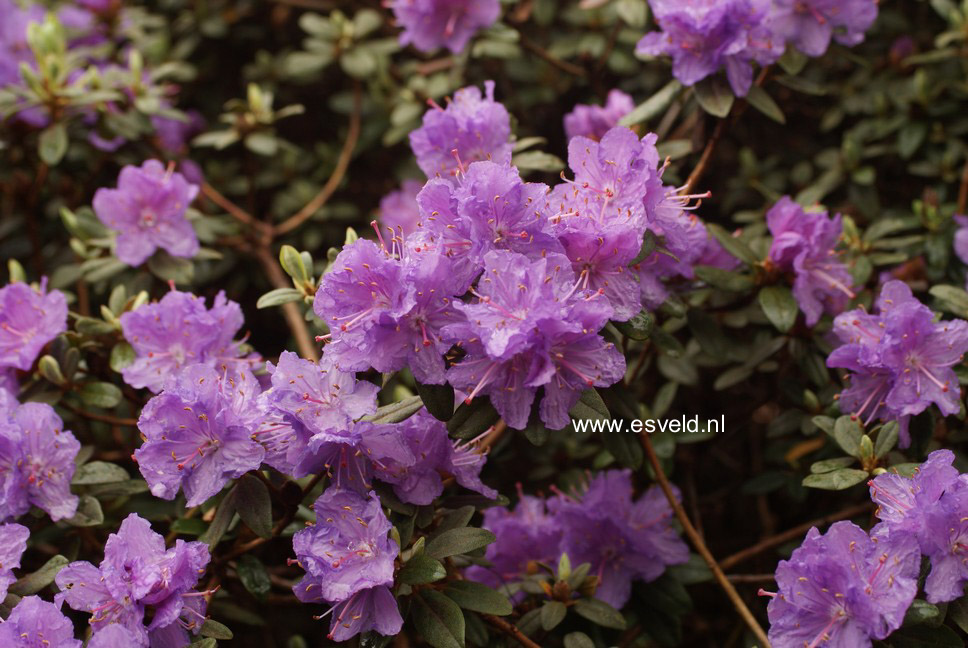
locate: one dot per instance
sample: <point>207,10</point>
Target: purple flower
<point>36,462</point>
<point>385,312</point>
<point>623,540</point>
<point>903,501</point>
<point>372,609</point>
<point>29,319</point>
<point>8,381</point>
<point>810,24</point>
<point>136,575</point>
<point>178,331</point>
<point>13,39</point>
<point>429,24</point>
<point>594,121</point>
<point>803,243</point>
<point>528,533</point>
<point>173,134</point>
<point>900,359</point>
<point>475,126</point>
<point>528,330</point>
<point>348,558</point>
<point>148,212</point>
<point>199,433</point>
<point>13,543</point>
<point>398,209</point>
<point>961,237</point>
<point>35,623</point>
<point>420,482</point>
<point>113,636</point>
<point>702,36</point>
<point>843,588</point>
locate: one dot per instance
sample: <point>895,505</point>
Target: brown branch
<point>700,546</point>
<point>342,164</point>
<point>791,534</point>
<point>291,311</point>
<point>103,418</point>
<point>543,54</point>
<point>510,630</point>
<point>234,210</point>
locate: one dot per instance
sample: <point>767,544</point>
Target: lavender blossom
<point>372,609</point>
<point>843,588</point>
<point>810,24</point>
<point>429,24</point>
<point>803,243</point>
<point>29,319</point>
<point>13,39</point>
<point>398,209</point>
<point>13,543</point>
<point>138,574</point>
<point>35,623</point>
<point>703,36</point>
<point>36,462</point>
<point>474,125</point>
<point>178,331</point>
<point>199,433</point>
<point>594,121</point>
<point>148,212</point>
<point>113,636</point>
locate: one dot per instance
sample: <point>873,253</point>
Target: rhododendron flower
<point>35,623</point>
<point>398,209</point>
<point>594,121</point>
<point>429,24</point>
<point>13,543</point>
<point>810,24</point>
<point>29,319</point>
<point>148,212</point>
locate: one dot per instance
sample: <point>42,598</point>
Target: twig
<point>234,210</point>
<point>510,630</point>
<point>292,312</point>
<point>342,164</point>
<point>700,546</point>
<point>751,578</point>
<point>103,418</point>
<point>542,53</point>
<point>791,534</point>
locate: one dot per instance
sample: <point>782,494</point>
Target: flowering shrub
<point>494,323</point>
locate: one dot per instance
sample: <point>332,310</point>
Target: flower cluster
<point>139,576</point>
<point>843,588</point>
<point>622,539</point>
<point>29,319</point>
<point>704,36</point>
<point>36,460</point>
<point>429,24</point>
<point>594,121</point>
<point>803,243</point>
<point>179,331</point>
<point>348,558</point>
<point>148,212</point>
<point>35,622</point>
<point>900,359</point>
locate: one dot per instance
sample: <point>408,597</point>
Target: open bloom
<point>29,319</point>
<point>810,24</point>
<point>35,623</point>
<point>843,588</point>
<point>398,209</point>
<point>199,433</point>
<point>429,24</point>
<point>138,574</point>
<point>594,121</point>
<point>148,212</point>
<point>13,543</point>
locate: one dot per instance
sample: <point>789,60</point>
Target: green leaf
<point>169,268</point>
<point>292,263</point>
<point>50,369</point>
<point>779,306</point>
<point>478,597</point>
<point>262,143</point>
<point>33,583</point>
<point>456,519</point>
<point>188,526</point>
<point>731,244</point>
<point>220,523</point>
<point>438,619</point>
<point>538,161</point>
<point>215,630</point>
<point>957,612</point>
<point>626,448</point>
<point>953,299</point>
<point>725,279</point>
<point>590,406</point>
<point>552,613</point>
<point>830,465</point>
<point>99,472</point>
<point>887,438</point>
<point>122,355</point>
<point>601,613</point>
<point>396,412</point>
<point>921,612</point>
<point>254,577</point>
<point>16,271</point>
<point>100,394</point>
<point>471,419</point>
<point>653,106</point>
<point>52,144</point>
<point>278,297</point>
<point>359,62</point>
<point>635,13</point>
<point>840,479</point>
<point>459,541</point>
<point>926,637</point>
<point>714,95</point>
<point>847,433</point>
<point>88,514</point>
<point>254,505</point>
<point>578,640</point>
<point>759,99</point>
<point>204,642</point>
<point>438,399</point>
<point>421,569</point>
<point>639,327</point>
